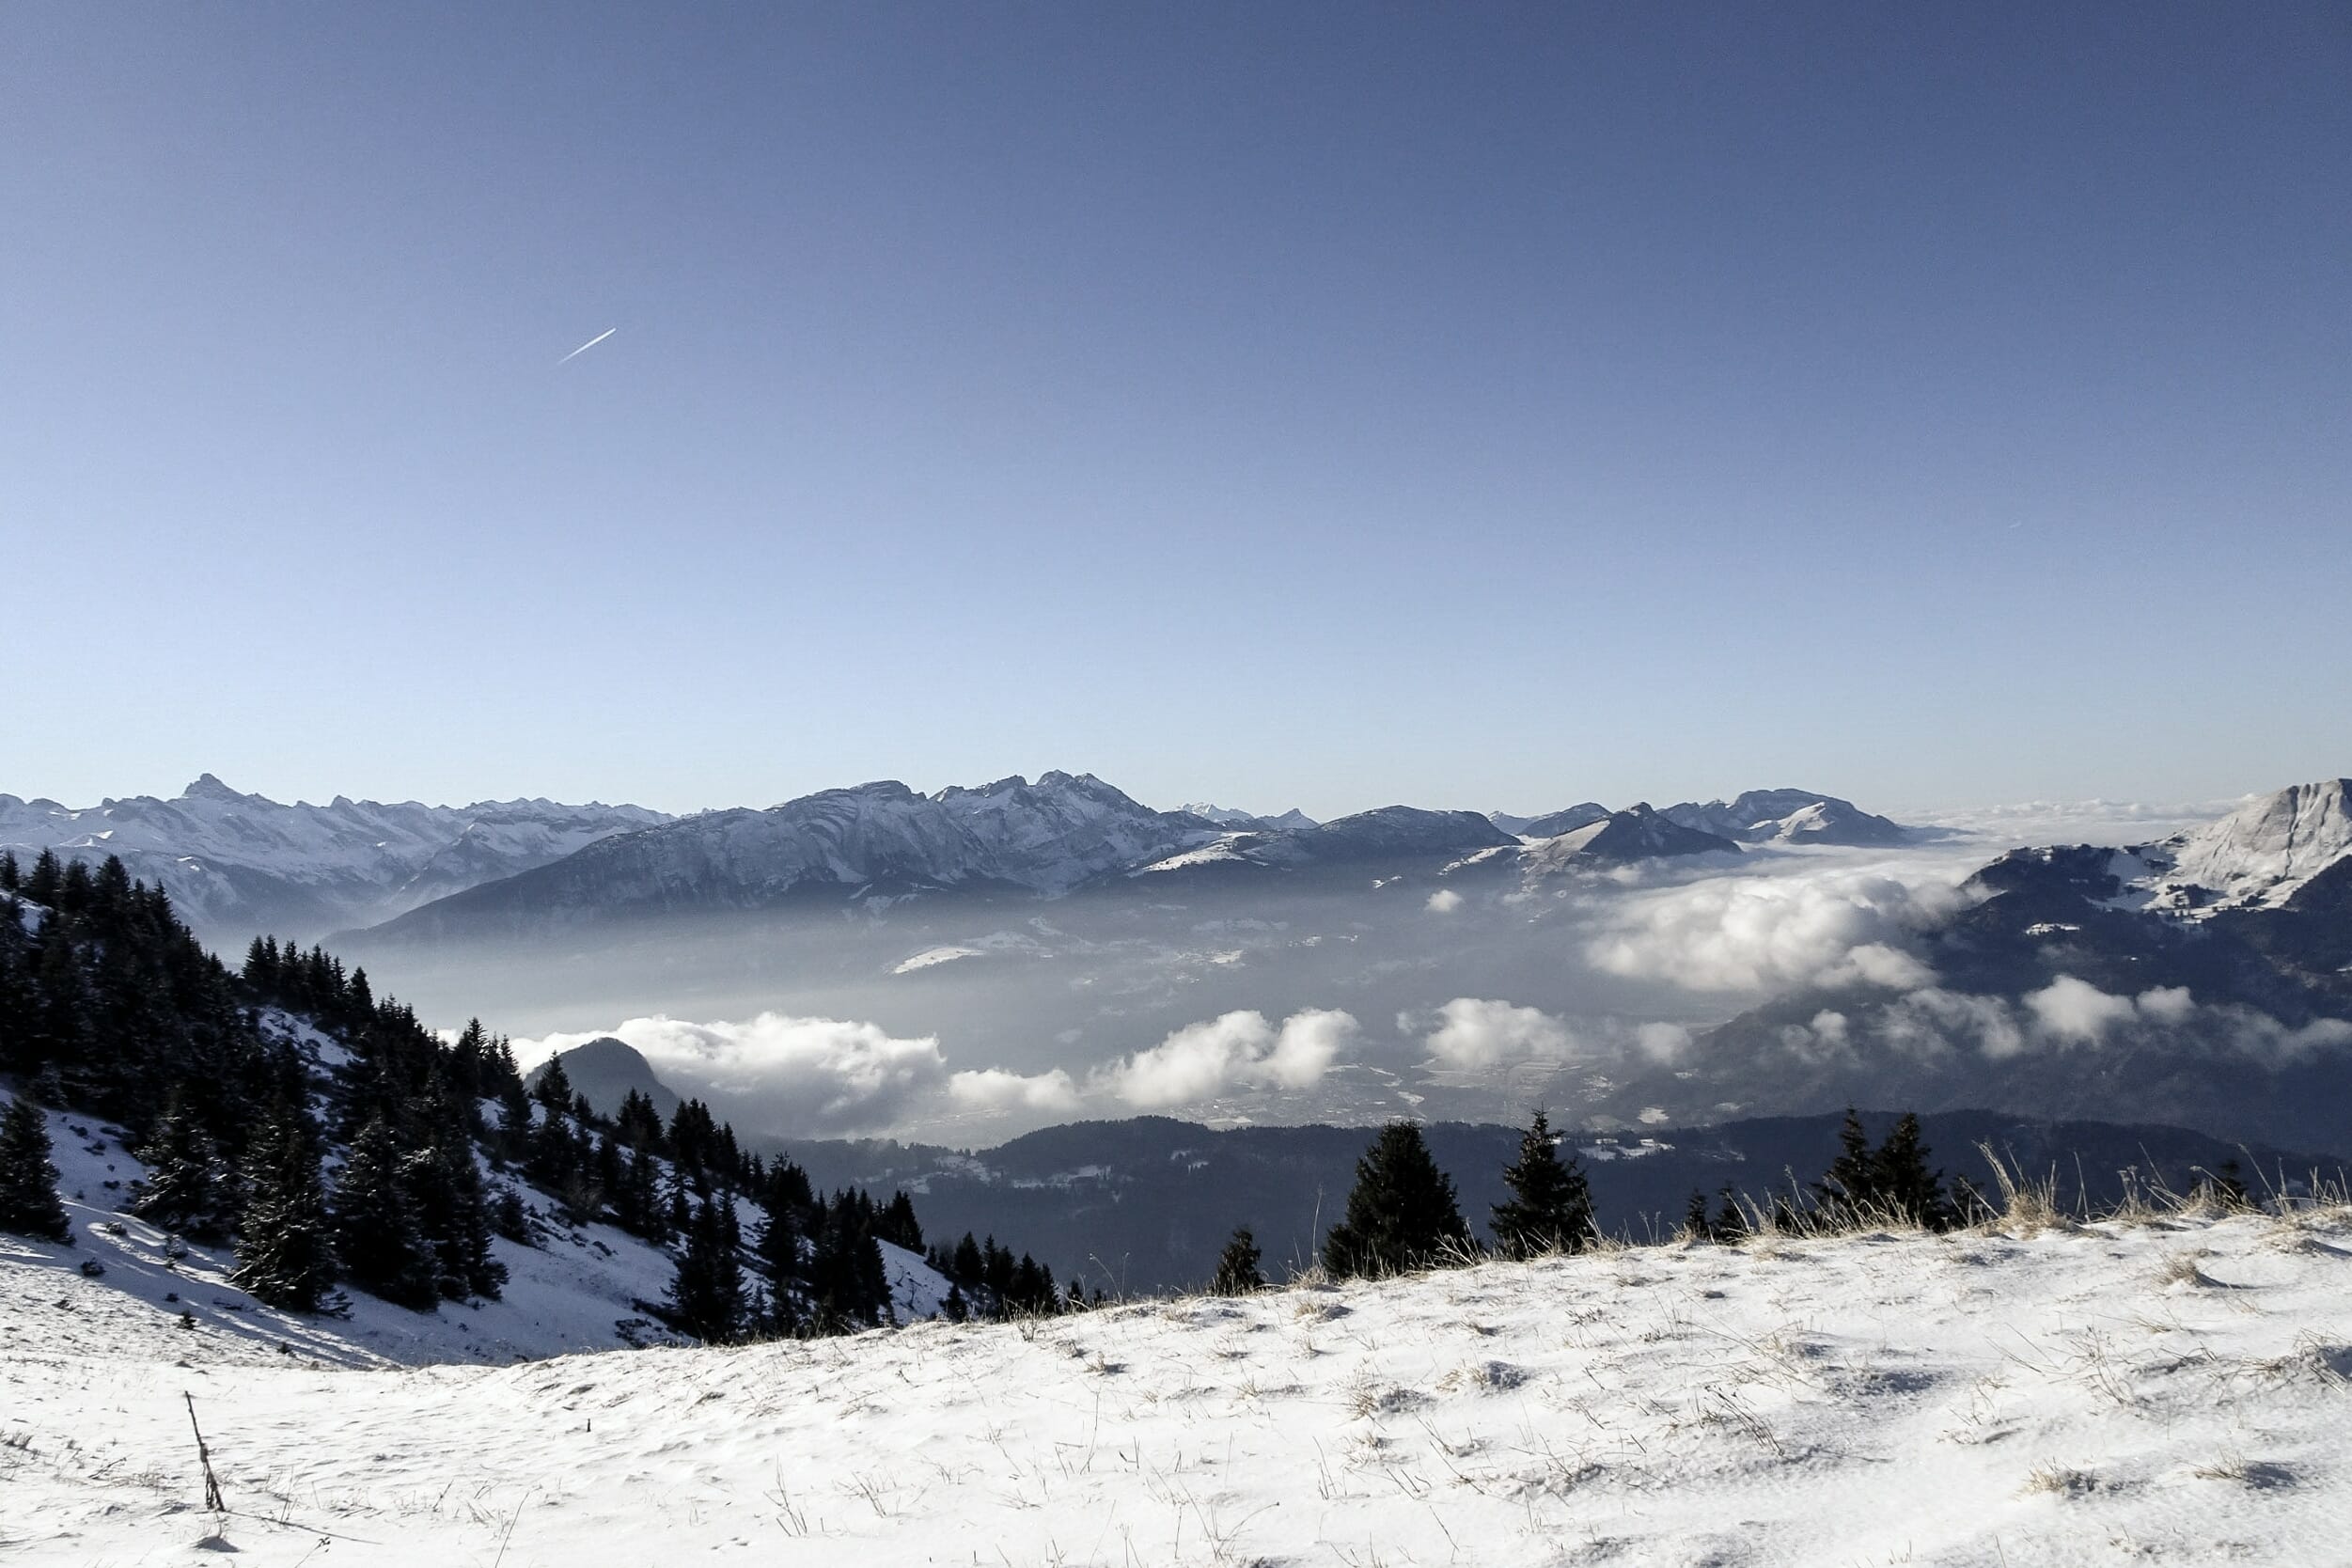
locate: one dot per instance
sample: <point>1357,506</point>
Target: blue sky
<point>1474,406</point>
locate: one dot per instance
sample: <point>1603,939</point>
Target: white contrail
<point>589,344</point>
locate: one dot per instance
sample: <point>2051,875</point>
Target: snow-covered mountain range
<point>240,863</point>
<point>234,860</point>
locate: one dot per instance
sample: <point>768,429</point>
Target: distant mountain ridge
<point>236,860</point>
<point>243,861</point>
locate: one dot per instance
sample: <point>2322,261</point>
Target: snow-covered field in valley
<point>2171,1391</point>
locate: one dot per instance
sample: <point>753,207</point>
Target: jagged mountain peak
<point>2266,849</point>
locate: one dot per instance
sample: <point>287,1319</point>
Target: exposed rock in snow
<point>2262,853</point>
<point>243,864</point>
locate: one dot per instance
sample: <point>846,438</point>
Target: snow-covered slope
<point>244,862</point>
<point>1788,817</point>
<point>876,841</point>
<point>2260,854</point>
<point>2172,1392</point>
<point>583,1287</point>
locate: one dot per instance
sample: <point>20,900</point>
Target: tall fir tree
<point>1402,1214</point>
<point>706,1294</point>
<point>376,1235</point>
<point>285,1249</point>
<point>29,1205</point>
<point>1550,1207</point>
<point>1238,1271</point>
<point>186,1187</point>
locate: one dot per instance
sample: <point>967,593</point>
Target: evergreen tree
<point>1695,1217</point>
<point>1550,1208</point>
<point>706,1294</point>
<point>376,1235</point>
<point>1906,1188</point>
<point>1850,1186</point>
<point>1402,1214</point>
<point>285,1253</point>
<point>1237,1270</point>
<point>955,1309</point>
<point>28,1181</point>
<point>445,1189</point>
<point>185,1186</point>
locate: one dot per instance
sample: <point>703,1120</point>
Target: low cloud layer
<point>1239,1050</point>
<point>2068,1015</point>
<point>784,1075</point>
<point>1768,934</point>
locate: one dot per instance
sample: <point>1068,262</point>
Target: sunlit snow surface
<point>2172,1392</point>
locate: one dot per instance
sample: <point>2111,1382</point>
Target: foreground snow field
<point>2173,1392</point>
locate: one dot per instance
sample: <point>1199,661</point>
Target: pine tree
<point>184,1190</point>
<point>1237,1270</point>
<point>375,1224</point>
<point>445,1186</point>
<point>285,1254</point>
<point>1695,1217</point>
<point>1551,1204</point>
<point>28,1181</point>
<point>1402,1214</point>
<point>1908,1189</point>
<point>1849,1188</point>
<point>706,1294</point>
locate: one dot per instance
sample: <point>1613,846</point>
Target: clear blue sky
<point>1476,406</point>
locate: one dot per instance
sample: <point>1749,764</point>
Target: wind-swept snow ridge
<point>1976,1399</point>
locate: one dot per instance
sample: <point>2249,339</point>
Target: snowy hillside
<point>241,861</point>
<point>584,1285</point>
<point>2173,1391</point>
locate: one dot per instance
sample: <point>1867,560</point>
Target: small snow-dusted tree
<point>1238,1270</point>
<point>376,1232</point>
<point>28,1181</point>
<point>285,1254</point>
<point>185,1185</point>
<point>1402,1214</point>
<point>1550,1209</point>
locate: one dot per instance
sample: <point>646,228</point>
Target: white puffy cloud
<point>1769,933</point>
<point>782,1074</point>
<point>1237,1050</point>
<point>2075,1010</point>
<point>1444,901</point>
<point>2167,1004</point>
<point>1662,1042</point>
<point>996,1089</point>
<point>1472,1032</point>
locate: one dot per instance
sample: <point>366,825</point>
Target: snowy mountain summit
<point>241,860</point>
<point>1788,817</point>
<point>2262,852</point>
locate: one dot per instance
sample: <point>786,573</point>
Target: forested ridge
<point>341,1144</point>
